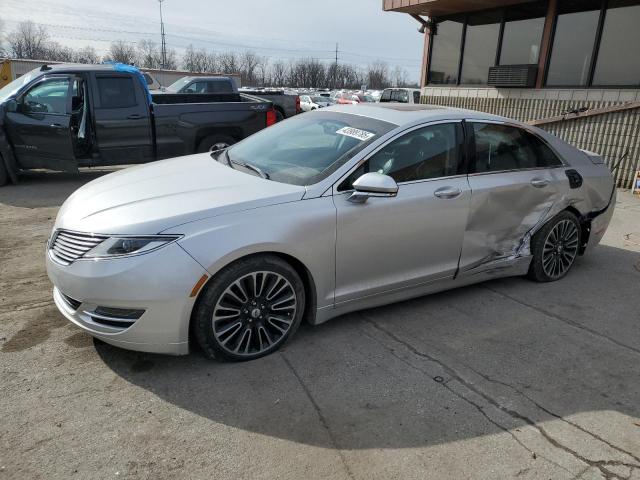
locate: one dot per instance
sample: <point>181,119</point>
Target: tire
<point>250,295</point>
<point>215,142</point>
<point>555,248</point>
<point>279,116</point>
<point>4,176</point>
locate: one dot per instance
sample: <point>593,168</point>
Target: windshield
<point>307,148</point>
<point>11,88</point>
<point>176,86</point>
<point>367,98</point>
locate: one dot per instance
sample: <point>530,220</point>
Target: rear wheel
<point>250,309</point>
<point>555,248</point>
<point>215,142</point>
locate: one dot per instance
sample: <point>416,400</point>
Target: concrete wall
<point>610,135</point>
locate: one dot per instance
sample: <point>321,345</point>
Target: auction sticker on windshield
<point>361,135</point>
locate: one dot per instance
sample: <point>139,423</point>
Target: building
<point>569,66</point>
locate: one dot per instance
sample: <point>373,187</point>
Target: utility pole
<point>163,40</point>
<point>335,70</point>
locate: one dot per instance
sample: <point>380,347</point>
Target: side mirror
<point>11,105</point>
<point>373,185</point>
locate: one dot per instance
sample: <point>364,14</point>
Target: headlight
<point>119,246</point>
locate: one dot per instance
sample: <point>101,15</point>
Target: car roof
<point>402,113</point>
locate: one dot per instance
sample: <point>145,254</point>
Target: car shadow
<point>464,363</point>
<point>39,188</point>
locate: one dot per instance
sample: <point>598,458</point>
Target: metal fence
<point>611,135</point>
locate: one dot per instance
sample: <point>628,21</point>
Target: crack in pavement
<point>563,319</point>
<point>599,464</point>
<point>553,414</point>
<point>465,399</point>
<point>321,417</point>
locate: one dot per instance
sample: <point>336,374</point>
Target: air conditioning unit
<point>513,76</point>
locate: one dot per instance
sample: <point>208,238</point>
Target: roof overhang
<point>438,8</point>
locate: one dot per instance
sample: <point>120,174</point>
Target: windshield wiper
<point>248,166</point>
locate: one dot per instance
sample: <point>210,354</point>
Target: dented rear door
<point>514,185</point>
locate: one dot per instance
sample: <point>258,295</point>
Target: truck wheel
<point>215,142</point>
<point>279,116</point>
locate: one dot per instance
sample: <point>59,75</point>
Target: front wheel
<point>555,248</point>
<point>249,309</point>
<point>215,142</point>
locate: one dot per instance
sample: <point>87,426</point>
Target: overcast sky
<point>275,28</point>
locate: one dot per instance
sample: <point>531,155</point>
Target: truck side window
<point>116,92</point>
<point>49,96</point>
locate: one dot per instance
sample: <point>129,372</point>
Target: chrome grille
<point>69,246</point>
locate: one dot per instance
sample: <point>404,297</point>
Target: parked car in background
<point>364,98</point>
<point>308,103</point>
<point>400,95</point>
<point>152,83</point>
<point>333,211</point>
<point>286,102</point>
<point>62,117</point>
<point>203,85</point>
<point>346,98</point>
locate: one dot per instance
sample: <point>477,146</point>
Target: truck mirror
<point>11,105</point>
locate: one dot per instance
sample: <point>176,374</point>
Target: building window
<point>522,34</point>
<point>573,42</point>
<point>619,54</point>
<point>445,53</point>
<point>481,43</point>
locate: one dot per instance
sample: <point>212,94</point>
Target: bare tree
<point>28,41</point>
<point>122,52</point>
<point>278,74</point>
<point>264,78</point>
<point>229,62</point>
<point>248,64</point>
<point>400,77</point>
<point>2,51</point>
<point>171,61</point>
<point>86,55</point>
<point>378,75</point>
<point>148,54</point>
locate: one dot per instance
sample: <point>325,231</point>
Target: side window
<point>545,156</point>
<point>116,92</point>
<point>196,87</point>
<point>386,96</point>
<point>219,86</point>
<point>49,96</point>
<point>501,147</point>
<point>429,152</point>
<point>416,97</point>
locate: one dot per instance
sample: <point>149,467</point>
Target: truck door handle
<point>540,182</point>
<point>134,116</point>
<point>55,125</point>
<point>447,192</point>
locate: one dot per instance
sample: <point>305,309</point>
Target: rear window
<point>220,86</point>
<point>116,92</point>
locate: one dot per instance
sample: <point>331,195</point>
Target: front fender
<point>304,230</point>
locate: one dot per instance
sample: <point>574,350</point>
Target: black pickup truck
<point>62,117</point>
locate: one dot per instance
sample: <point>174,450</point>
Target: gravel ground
<point>500,380</point>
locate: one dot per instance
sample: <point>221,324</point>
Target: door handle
<point>55,125</point>
<point>540,182</point>
<point>448,192</point>
<point>134,116</point>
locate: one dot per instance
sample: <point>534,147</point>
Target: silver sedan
<point>337,210</point>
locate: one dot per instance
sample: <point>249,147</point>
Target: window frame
<point>45,79</point>
<point>463,155</point>
<point>471,152</point>
<point>604,7</point>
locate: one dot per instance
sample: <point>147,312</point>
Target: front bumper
<point>160,283</point>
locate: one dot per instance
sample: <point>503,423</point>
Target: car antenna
<point>45,68</point>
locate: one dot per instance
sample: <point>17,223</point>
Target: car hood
<point>148,199</point>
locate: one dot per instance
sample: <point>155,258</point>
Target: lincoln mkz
<point>332,211</point>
